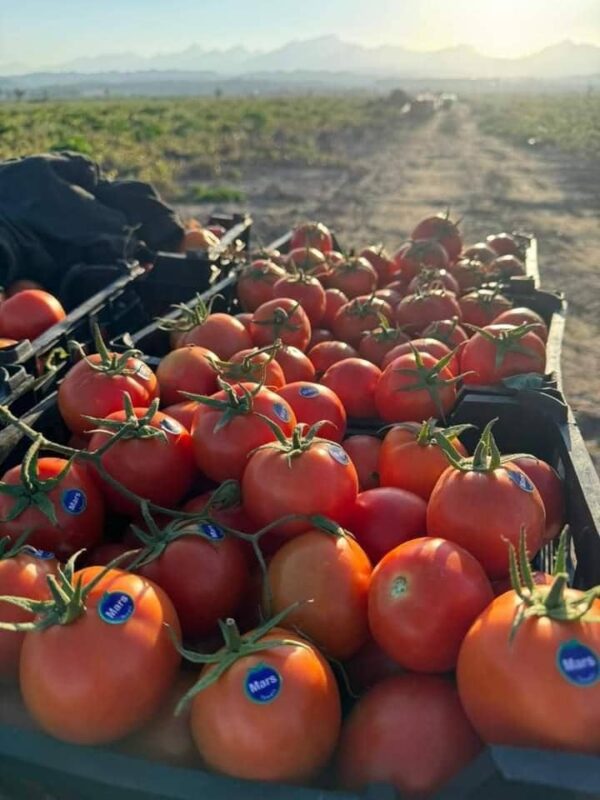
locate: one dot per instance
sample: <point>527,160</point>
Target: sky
<point>39,33</point>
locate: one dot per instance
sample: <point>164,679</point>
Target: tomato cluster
<point>26,312</point>
<point>242,510</point>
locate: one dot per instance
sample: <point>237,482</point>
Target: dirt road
<point>386,187</point>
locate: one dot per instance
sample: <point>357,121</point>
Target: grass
<point>570,122</point>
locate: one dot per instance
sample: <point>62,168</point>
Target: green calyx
<point>109,363</point>
<point>369,307</point>
<point>10,549</point>
<point>281,320</point>
<point>234,404</point>
<point>507,341</point>
<point>544,601</point>
<point>434,330</point>
<point>388,333</point>
<point>428,378</point>
<point>188,315</point>
<point>247,369</point>
<point>31,491</point>
<point>430,434</point>
<point>486,457</point>
<point>132,427</point>
<point>299,442</point>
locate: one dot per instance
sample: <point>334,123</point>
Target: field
<point>501,162</point>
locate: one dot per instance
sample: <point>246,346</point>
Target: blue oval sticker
<point>44,555</point>
<point>116,608</point>
<point>339,454</point>
<point>211,531</point>
<point>74,501</point>
<point>169,425</point>
<point>521,480</point>
<point>282,412</point>
<point>308,391</point>
<point>262,684</point>
<point>578,663</point>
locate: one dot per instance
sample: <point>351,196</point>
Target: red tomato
<point>364,454</point>
<point>383,518</point>
<point>376,344</point>
<point>106,552</point>
<point>281,318</point>
<point>391,296</point>
<point>487,359</point>
<point>76,500</point>
<point>434,347</point>
<point>538,688</point>
<point>118,672</point>
<point>441,228</point>
<point>523,316</point>
<point>158,468</point>
<point>85,391</point>
<point>329,576</point>
<point>360,315</point>
<point>355,277</point>
<point>245,318</point>
<point>369,666</point>
<point>290,479</point>
<point>504,267</point>
<point>481,252</point>
<point>221,333</point>
<point>324,354</point>
<point>354,381</point>
<point>447,331</point>
<point>256,282</point>
<point>482,307</point>
<point>224,437</point>
<point>313,403</point>
<point>334,300</point>
<point>254,366</point>
<point>186,369</point>
<point>415,311</point>
<point>504,244</point>
<point>434,279</point>
<point>27,314</point>
<point>307,291</point>
<point>298,719</point>
<point>397,399</point>
<point>405,618</point>
<point>295,364</point>
<point>308,260</point>
<point>470,274</point>
<point>184,413</point>
<point>312,234</point>
<point>409,731</point>
<point>552,491</point>
<point>381,261</point>
<point>319,335</point>
<point>420,254</point>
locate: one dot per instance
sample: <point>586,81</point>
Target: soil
<point>386,186</point>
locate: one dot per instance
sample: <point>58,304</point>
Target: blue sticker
<point>282,412</point>
<point>116,608</point>
<point>308,391</point>
<point>578,663</point>
<point>169,425</point>
<point>143,371</point>
<point>521,480</point>
<point>212,531</point>
<point>262,684</point>
<point>44,555</point>
<point>73,501</point>
<point>339,454</point>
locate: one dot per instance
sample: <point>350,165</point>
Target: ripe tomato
<point>355,277</point>
<point>224,437</point>
<point>381,261</point>
<point>441,228</point>
<point>504,244</point>
<point>447,331</point>
<point>397,398</point>
<point>376,344</point>
<point>295,364</point>
<point>410,458</point>
<point>364,454</point>
<point>360,315</point>
<point>410,731</point>
<point>273,715</point>
<point>470,274</point>
<point>354,381</point>
<point>434,347</point>
<point>324,354</point>
<point>539,689</point>
<point>489,357</point>
<point>184,413</point>
<point>420,254</point>
<point>334,300</point>
<point>27,314</point>
<point>253,366</point>
<point>117,660</point>
<point>221,333</point>
<point>312,234</point>
<point>504,267</point>
<point>308,260</point>
<point>482,307</point>
<point>523,316</point>
<point>552,491</point>
<point>186,369</point>
<point>21,575</point>
<point>391,296</point>
<point>85,391</point>
<point>415,311</point>
<point>289,478</point>
<point>245,318</point>
<point>481,252</point>
<point>383,518</point>
<point>281,318</point>
<point>319,335</point>
<point>329,576</point>
<point>405,618</point>
<point>158,468</point>
<point>76,500</point>
<point>369,666</point>
<point>307,290</point>
<point>434,279</point>
<point>256,282</point>
<point>312,403</point>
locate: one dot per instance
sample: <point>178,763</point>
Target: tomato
<point>324,354</point>
<point>364,454</point>
<point>184,413</point>
<point>441,228</point>
<point>369,666</point>
<point>27,314</point>
<point>505,267</point>
<point>329,576</point>
<point>255,283</point>
<point>381,261</point>
<point>295,364</point>
<point>354,381</point>
<point>254,366</point>
<point>313,403</point>
<point>384,517</point>
<point>224,437</point>
<point>106,552</point>
<point>245,318</point>
<point>289,478</point>
<point>538,688</point>
<point>285,731</point>
<point>87,391</point>
<point>447,331</point>
<point>405,617</point>
<point>504,244</point>
<point>360,315</point>
<point>308,260</point>
<point>434,279</point>
<point>552,491</point>
<point>307,291</point>
<point>281,318</point>
<point>198,239</point>
<point>377,343</point>
<point>391,296</point>
<point>470,274</point>
<point>22,575</point>
<point>420,254</point>
<point>76,502</point>
<point>411,459</point>
<point>410,731</point>
<point>415,311</point>
<point>482,307</point>
<point>355,277</point>
<point>497,353</point>
<point>312,234</point>
<point>186,369</point>
<point>407,392</point>
<point>523,316</point>
<point>319,335</point>
<point>159,468</point>
<point>221,333</point>
<point>116,658</point>
<point>334,300</point>
<point>505,585</point>
<point>481,252</point>
<point>434,347</point>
